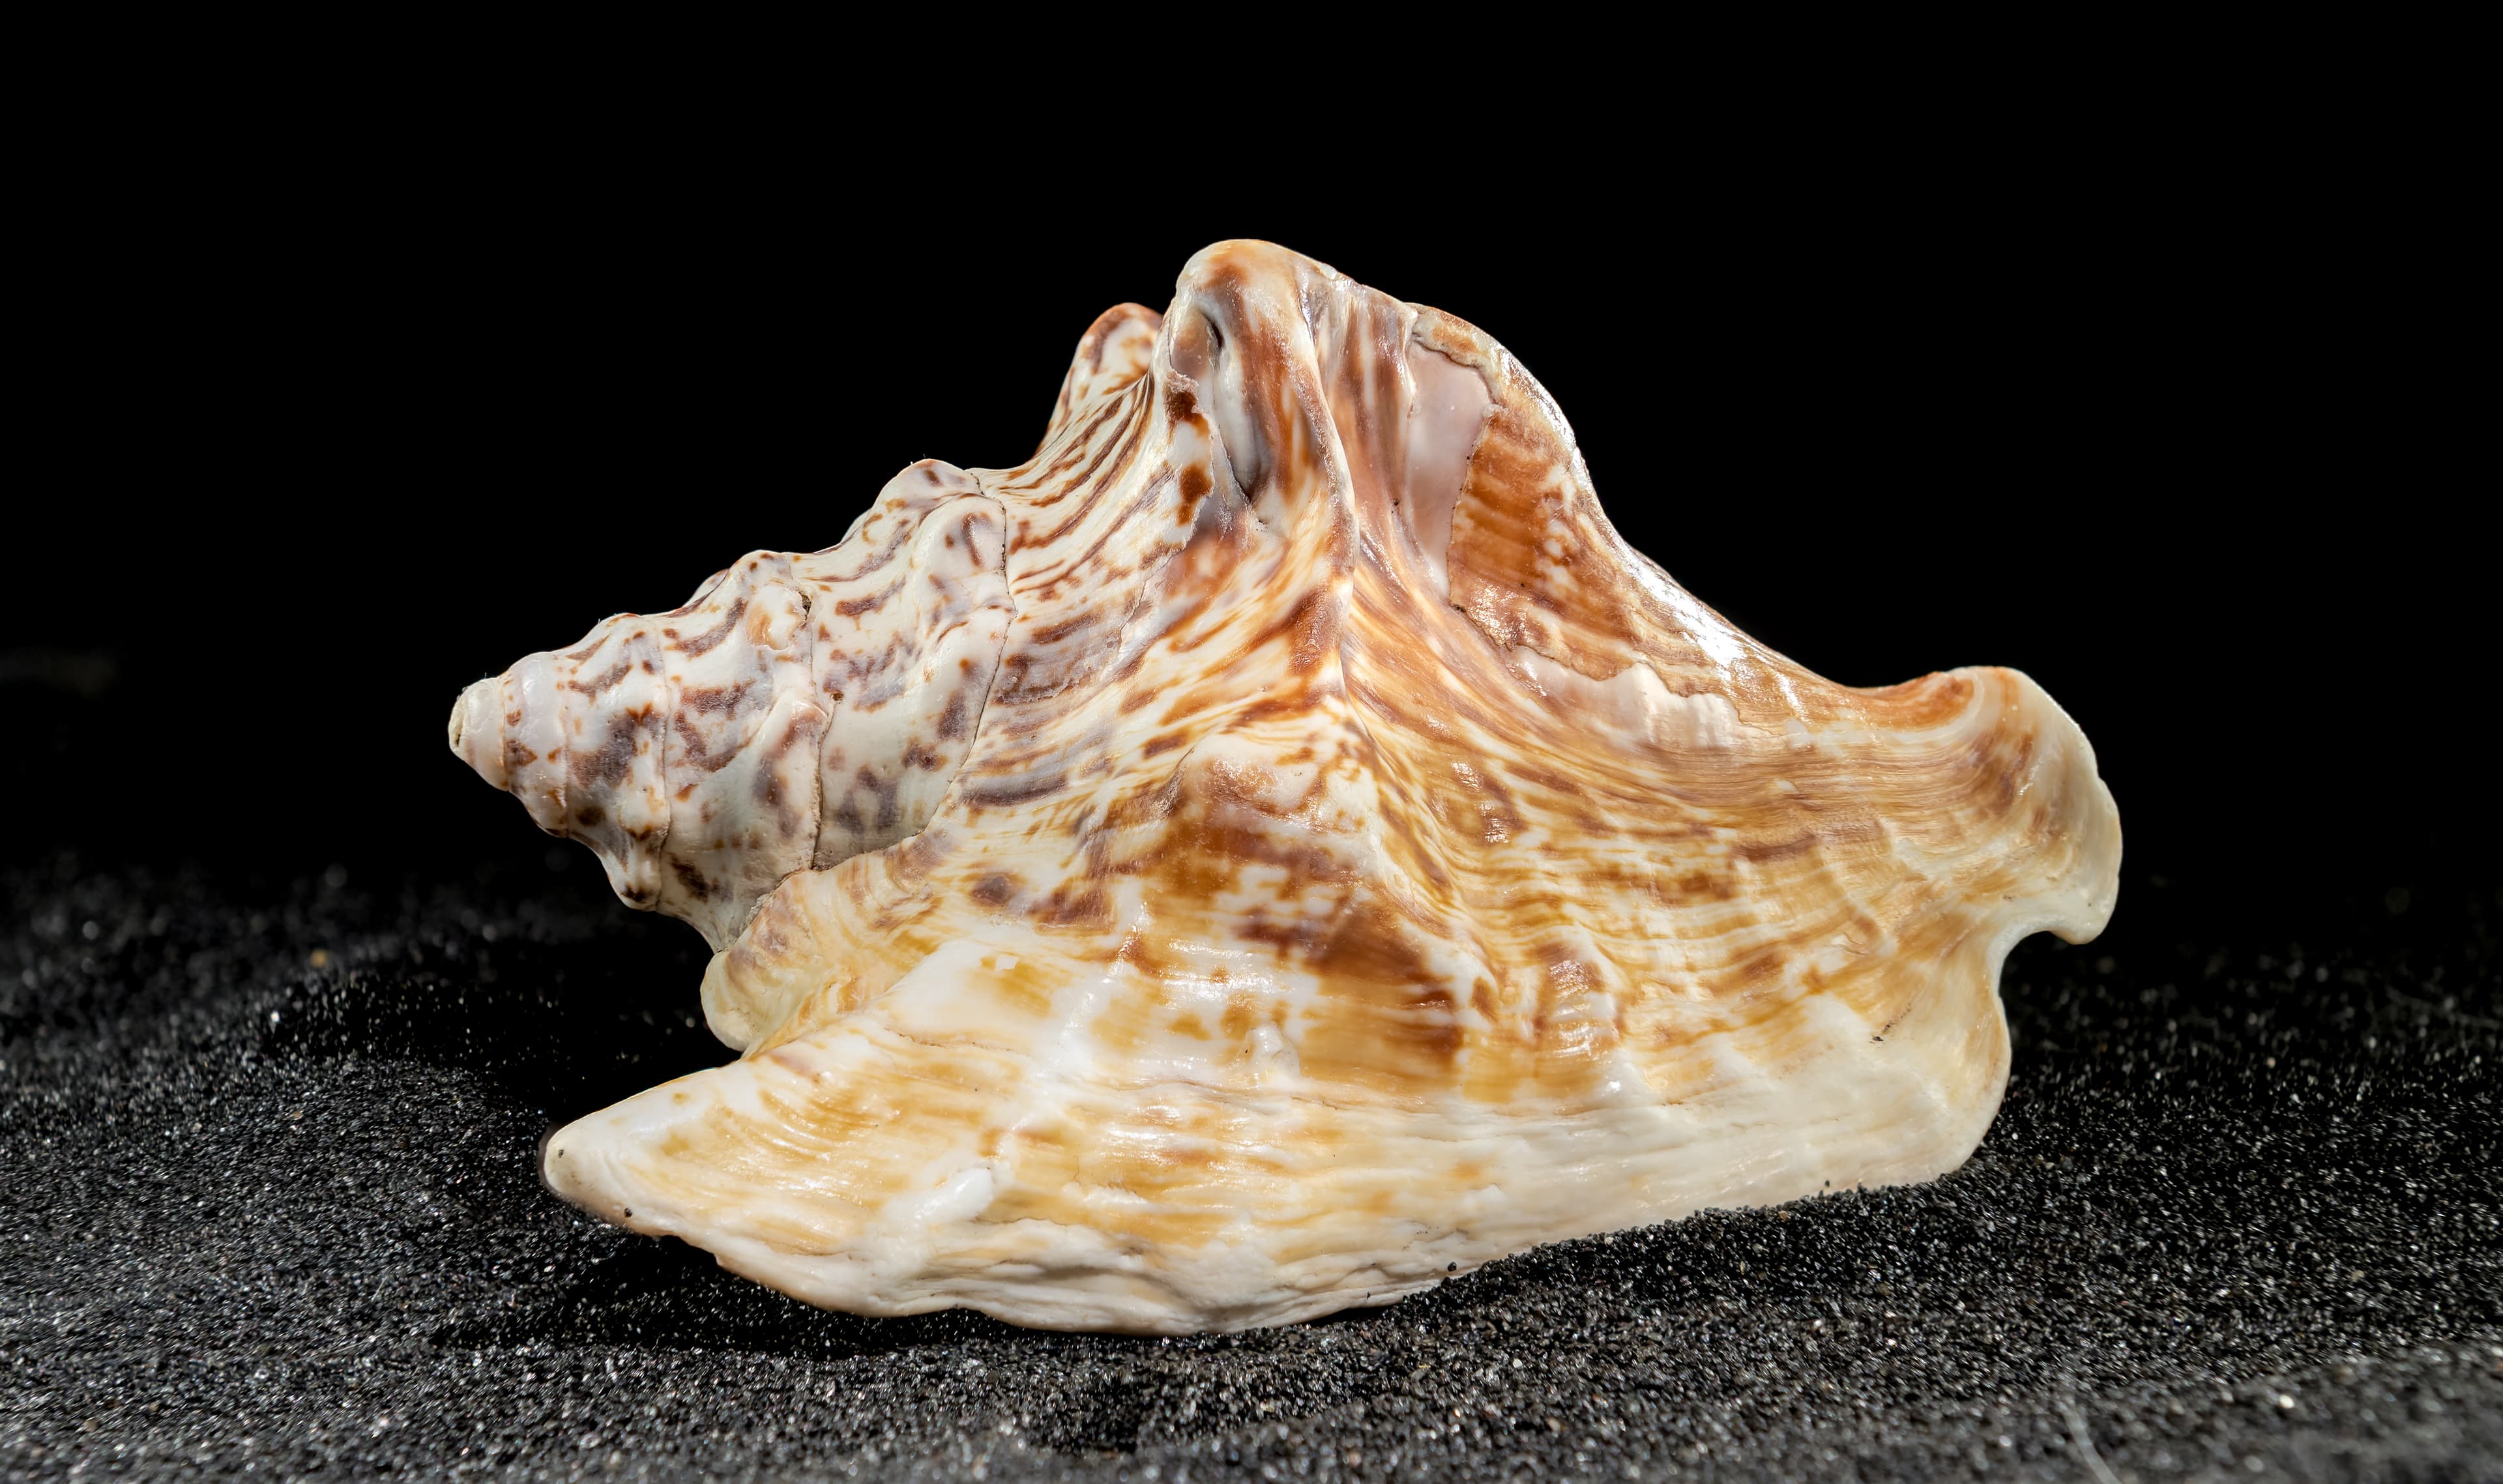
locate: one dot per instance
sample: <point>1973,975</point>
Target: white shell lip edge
<point>579,1163</point>
<point>2078,906</point>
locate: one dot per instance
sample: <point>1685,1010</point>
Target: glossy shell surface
<point>1276,847</point>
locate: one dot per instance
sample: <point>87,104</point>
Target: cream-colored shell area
<point>1364,865</point>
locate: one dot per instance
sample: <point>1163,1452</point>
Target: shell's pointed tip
<point>474,734</point>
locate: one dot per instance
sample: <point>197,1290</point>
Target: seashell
<point>1275,848</point>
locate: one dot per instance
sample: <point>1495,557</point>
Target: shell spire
<point>799,710</point>
<point>1275,847</point>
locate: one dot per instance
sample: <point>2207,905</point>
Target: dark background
<point>335,412</point>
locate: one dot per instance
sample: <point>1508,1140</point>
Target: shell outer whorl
<point>1273,847</point>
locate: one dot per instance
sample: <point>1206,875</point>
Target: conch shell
<point>1275,848</point>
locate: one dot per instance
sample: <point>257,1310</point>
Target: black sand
<point>268,1206</point>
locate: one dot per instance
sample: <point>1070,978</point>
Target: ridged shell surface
<point>1275,848</point>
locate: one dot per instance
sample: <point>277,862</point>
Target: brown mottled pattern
<point>1341,859</point>
<point>800,710</point>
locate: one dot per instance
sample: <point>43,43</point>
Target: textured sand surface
<point>268,1201</point>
